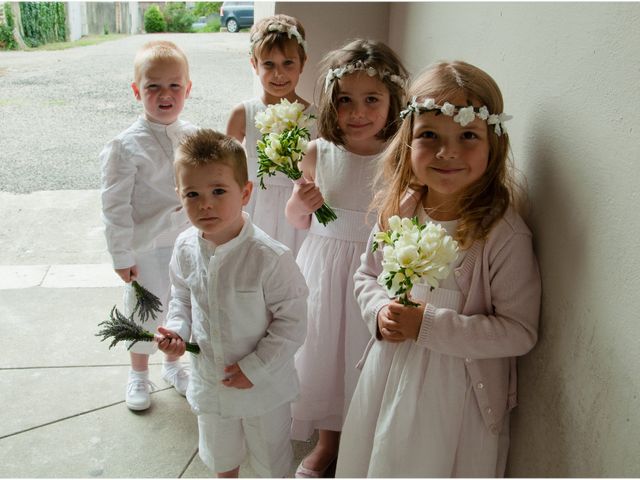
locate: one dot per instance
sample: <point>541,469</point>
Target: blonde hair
<point>158,51</point>
<point>372,54</point>
<point>483,202</point>
<point>208,147</point>
<point>264,40</point>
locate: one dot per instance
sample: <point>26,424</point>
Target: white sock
<point>134,373</point>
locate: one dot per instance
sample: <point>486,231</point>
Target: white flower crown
<point>461,115</point>
<point>339,72</point>
<point>290,30</point>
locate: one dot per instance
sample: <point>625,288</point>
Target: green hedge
<point>7,42</point>
<point>154,21</point>
<point>43,22</point>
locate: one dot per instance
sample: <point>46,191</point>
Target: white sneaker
<point>137,396</point>
<point>177,375</point>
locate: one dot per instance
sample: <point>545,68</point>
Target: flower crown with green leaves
<point>462,115</point>
<point>359,65</point>
<point>277,27</point>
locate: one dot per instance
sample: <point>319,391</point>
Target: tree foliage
<point>7,42</point>
<point>154,20</point>
<point>178,18</point>
<point>43,22</point>
<point>204,9</point>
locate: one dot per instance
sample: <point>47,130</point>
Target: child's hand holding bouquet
<point>285,135</point>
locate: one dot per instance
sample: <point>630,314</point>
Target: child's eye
<point>191,194</point>
<point>267,64</point>
<point>175,85</point>
<point>153,86</point>
<point>428,134</point>
<point>344,99</point>
<point>219,191</point>
<point>372,99</point>
<point>469,135</point>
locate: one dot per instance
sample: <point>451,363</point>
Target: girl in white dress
<point>360,99</point>
<point>439,380</point>
<point>278,54</point>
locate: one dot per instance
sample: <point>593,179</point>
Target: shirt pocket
<point>248,318</point>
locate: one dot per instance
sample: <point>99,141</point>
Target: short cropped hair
<point>208,147</point>
<point>158,51</point>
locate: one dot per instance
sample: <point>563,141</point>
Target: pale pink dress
<point>414,412</point>
<point>266,206</point>
<point>328,258</point>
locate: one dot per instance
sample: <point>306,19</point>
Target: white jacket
<point>140,208</point>
<point>243,301</point>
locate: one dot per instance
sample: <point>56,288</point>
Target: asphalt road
<point>59,108</point>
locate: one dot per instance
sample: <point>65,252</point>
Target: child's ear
<point>136,90</point>
<point>188,90</point>
<point>253,64</point>
<point>246,193</point>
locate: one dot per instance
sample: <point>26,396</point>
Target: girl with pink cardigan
<point>439,380</point>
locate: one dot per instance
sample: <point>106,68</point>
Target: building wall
<point>569,74</point>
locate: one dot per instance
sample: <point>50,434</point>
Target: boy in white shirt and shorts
<point>240,296</point>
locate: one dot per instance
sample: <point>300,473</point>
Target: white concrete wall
<point>74,19</point>
<point>570,75</point>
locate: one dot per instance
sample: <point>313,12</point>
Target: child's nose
<point>447,150</point>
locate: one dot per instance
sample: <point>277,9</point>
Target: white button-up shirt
<point>140,208</point>
<point>245,302</point>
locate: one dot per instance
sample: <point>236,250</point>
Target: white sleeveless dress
<point>329,257</point>
<point>414,413</point>
<point>266,206</point>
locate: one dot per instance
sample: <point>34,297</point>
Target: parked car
<point>236,15</point>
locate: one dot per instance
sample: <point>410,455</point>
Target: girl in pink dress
<point>439,380</point>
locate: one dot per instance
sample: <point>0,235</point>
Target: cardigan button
<point>488,410</point>
<point>467,360</point>
<point>494,429</point>
<point>480,385</point>
<point>457,273</point>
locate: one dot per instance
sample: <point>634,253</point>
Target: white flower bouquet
<point>413,251</point>
<point>285,135</point>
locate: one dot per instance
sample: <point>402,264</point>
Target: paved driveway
<point>58,109</point>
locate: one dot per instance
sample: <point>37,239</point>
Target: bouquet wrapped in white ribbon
<point>413,251</point>
<point>285,135</point>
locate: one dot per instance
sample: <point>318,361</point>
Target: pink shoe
<point>304,472</point>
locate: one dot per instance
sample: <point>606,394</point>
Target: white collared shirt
<point>243,301</point>
<point>140,208</point>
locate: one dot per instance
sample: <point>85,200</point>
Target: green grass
<point>82,42</point>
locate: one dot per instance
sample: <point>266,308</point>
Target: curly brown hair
<point>372,54</point>
<point>483,202</point>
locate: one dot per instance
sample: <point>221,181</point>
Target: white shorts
<point>153,274</point>
<point>225,442</point>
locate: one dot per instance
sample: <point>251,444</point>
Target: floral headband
<point>339,72</point>
<point>290,30</point>
<point>462,115</point>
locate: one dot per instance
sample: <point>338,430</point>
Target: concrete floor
<point>61,389</point>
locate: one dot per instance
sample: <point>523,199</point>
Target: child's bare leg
<point>324,452</point>
<point>139,362</point>
<point>230,474</point>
